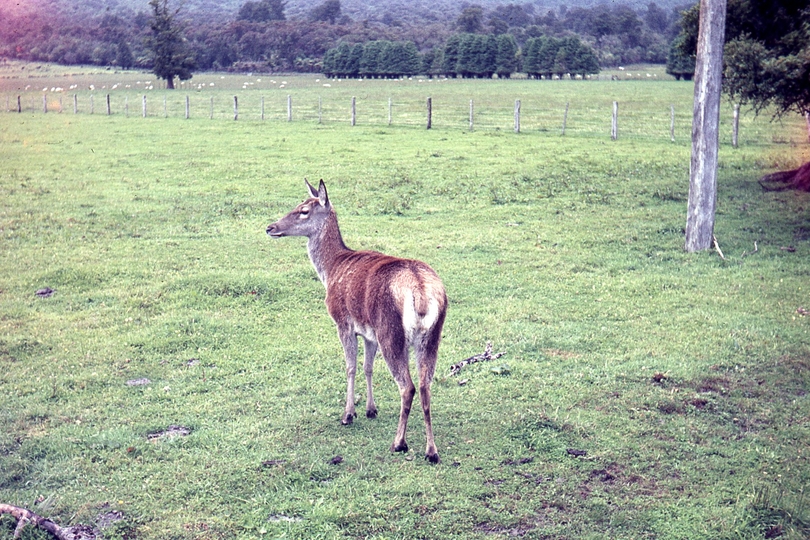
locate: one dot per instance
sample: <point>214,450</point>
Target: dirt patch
<point>557,353</point>
<point>45,292</point>
<point>498,529</point>
<point>108,519</point>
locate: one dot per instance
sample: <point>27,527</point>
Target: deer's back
<point>370,289</point>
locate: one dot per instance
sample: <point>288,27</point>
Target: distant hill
<point>389,11</point>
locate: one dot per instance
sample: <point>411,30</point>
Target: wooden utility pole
<point>706,126</point>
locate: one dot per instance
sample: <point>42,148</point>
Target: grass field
<point>679,382</point>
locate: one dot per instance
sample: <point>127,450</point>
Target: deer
<point>394,304</point>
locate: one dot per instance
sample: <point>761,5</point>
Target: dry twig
<point>483,357</point>
<point>717,247</point>
<point>746,253</point>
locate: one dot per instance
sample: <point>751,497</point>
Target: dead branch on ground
<point>24,517</point>
<point>483,357</point>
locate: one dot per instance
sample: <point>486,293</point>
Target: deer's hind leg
<point>370,350</point>
<point>427,351</point>
<point>395,353</point>
<point>425,367</point>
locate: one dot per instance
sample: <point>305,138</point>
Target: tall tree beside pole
<point>171,56</point>
<point>705,126</point>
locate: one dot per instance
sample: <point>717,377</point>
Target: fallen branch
<point>717,247</point>
<point>483,357</point>
<point>746,253</point>
<point>24,517</point>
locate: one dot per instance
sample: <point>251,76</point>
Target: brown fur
<point>394,304</point>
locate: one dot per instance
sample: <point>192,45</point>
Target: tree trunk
<point>784,180</point>
<point>170,83</point>
<point>705,126</point>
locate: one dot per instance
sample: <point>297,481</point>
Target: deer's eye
<point>304,212</point>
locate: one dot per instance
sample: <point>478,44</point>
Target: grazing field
<point>169,371</point>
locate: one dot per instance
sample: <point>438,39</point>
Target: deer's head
<point>306,219</point>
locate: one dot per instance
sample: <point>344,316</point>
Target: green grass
<point>684,377</point>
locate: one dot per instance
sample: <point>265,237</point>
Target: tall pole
<point>705,126</point>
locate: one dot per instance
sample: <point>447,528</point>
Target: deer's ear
<point>323,198</point>
<point>312,191</point>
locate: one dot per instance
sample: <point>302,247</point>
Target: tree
<point>329,11</point>
<point>471,20</point>
<point>370,61</point>
<point>262,11</point>
<point>399,59</point>
<point>506,62</point>
<point>124,56</point>
<point>171,57</point>
<point>450,56</point>
<point>656,18</point>
<point>767,64</point>
<point>679,64</point>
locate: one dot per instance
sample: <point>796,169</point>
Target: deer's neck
<point>325,247</point>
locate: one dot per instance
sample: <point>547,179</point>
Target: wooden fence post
<point>165,112</point>
<point>211,116</point>
<point>19,104</point>
<point>354,110</point>
<point>389,111</point>
<point>672,123</point>
<point>60,103</point>
<point>565,118</point>
<point>429,112</point>
<point>472,115</point>
<point>735,128</point>
<point>614,126</point>
<point>92,106</point>
<point>109,112</point>
<point>143,106</point>
<point>289,108</point>
<point>702,200</point>
<point>44,103</point>
<point>235,108</point>
<point>75,103</point>
<point>517,116</point>
<point>262,108</point>
<point>187,107</point>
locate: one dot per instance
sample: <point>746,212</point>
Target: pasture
<point>645,392</point>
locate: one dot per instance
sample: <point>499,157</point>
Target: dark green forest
<point>345,38</point>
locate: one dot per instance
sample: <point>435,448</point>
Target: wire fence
<point>634,119</point>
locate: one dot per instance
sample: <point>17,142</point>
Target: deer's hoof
<point>401,447</point>
<point>433,458</point>
<point>371,413</point>
<point>348,419</point>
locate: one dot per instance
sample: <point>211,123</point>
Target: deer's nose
<point>272,230</point>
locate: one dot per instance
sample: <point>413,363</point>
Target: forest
<point>264,36</point>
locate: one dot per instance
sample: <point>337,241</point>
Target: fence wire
<point>549,114</point>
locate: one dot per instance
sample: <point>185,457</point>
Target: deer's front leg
<point>349,341</point>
